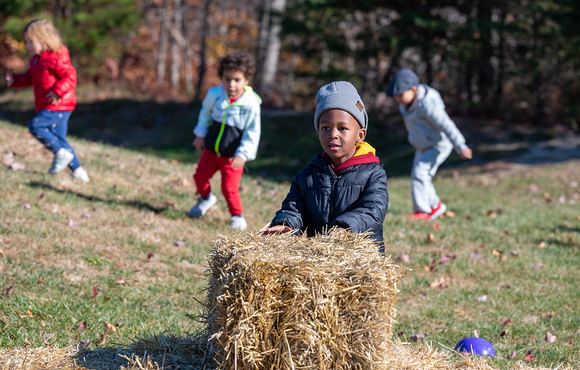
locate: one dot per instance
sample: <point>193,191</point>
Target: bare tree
<point>202,52</point>
<point>163,41</point>
<point>175,44</point>
<point>272,53</point>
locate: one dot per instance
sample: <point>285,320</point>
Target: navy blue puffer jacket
<point>356,198</point>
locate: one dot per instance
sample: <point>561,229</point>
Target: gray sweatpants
<point>425,166</point>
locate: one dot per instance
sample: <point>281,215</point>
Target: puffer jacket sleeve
<point>371,208</point>
<point>248,148</point>
<point>66,75</point>
<point>433,110</point>
<point>204,119</point>
<point>293,207</point>
<point>22,79</point>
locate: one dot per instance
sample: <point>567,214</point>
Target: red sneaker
<point>437,211</point>
<point>419,216</point>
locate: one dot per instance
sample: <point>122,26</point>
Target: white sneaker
<point>203,204</point>
<point>239,222</point>
<point>62,158</point>
<point>81,174</point>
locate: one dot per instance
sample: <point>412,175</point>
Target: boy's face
<point>234,82</point>
<point>339,133</point>
<point>407,96</point>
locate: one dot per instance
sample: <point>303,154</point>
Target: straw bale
<point>287,302</point>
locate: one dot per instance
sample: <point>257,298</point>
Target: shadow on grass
<point>91,198</point>
<point>156,352</point>
<point>289,141</point>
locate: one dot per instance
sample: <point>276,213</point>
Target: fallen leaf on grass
<point>404,258</point>
<point>26,206</point>
<point>474,255</point>
<point>109,328</point>
<point>8,159</point>
<point>496,252</point>
<point>467,218</point>
<point>542,245</point>
<point>445,259</point>
<point>16,166</point>
<point>179,243</point>
<point>550,338</point>
<point>416,337</point>
<point>449,214</point>
<point>529,357</point>
<point>513,355</point>
<point>10,287</point>
<point>507,322</point>
<point>430,238</point>
<point>94,292</point>
<point>82,326</point>
<point>149,256</point>
<point>431,267</point>
<point>459,311</point>
<point>539,266</point>
<point>491,214</point>
<point>84,344</point>
<point>547,197</point>
<point>483,298</point>
<point>86,215</point>
<point>121,281</point>
<point>28,314</point>
<point>71,223</point>
<point>103,339</point>
<point>504,333</point>
<point>442,283</point>
<point>475,334</point>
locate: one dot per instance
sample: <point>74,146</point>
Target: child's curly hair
<point>238,61</point>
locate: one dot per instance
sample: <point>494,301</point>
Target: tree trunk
<point>202,60</point>
<point>188,55</point>
<point>163,38</point>
<point>270,66</point>
<point>175,45</point>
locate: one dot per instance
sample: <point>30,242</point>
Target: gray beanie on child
<point>404,80</point>
<point>340,95</point>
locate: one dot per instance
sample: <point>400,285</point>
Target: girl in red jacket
<point>54,80</point>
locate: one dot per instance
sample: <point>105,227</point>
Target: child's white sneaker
<point>81,174</point>
<point>62,158</point>
<point>239,222</point>
<point>202,206</point>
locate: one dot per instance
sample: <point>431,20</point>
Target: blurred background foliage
<point>512,60</point>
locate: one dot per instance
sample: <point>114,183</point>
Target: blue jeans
<point>50,128</point>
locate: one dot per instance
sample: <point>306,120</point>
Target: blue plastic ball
<point>476,346</point>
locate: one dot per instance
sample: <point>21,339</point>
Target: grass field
<point>121,249</point>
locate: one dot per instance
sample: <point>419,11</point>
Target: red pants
<point>208,165</point>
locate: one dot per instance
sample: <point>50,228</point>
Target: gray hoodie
<point>427,122</point>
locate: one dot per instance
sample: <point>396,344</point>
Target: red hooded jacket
<point>50,71</point>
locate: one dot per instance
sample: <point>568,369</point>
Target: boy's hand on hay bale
<point>337,230</point>
<point>275,229</point>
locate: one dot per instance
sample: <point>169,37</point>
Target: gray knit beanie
<point>404,80</point>
<point>340,95</point>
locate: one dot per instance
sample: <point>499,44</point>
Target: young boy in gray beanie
<point>432,133</point>
<point>344,187</point>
